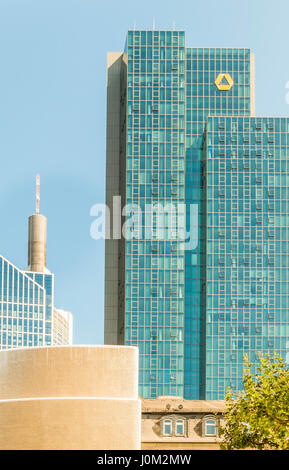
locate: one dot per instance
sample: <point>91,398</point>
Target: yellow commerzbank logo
<point>220,82</point>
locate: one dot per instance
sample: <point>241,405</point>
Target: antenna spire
<point>37,194</point>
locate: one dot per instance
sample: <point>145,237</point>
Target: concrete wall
<point>69,398</point>
<point>111,301</point>
<point>114,306</point>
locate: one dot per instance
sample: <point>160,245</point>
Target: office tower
<point>23,303</point>
<point>206,93</point>
<point>182,300</point>
<point>27,314</point>
<point>62,327</point>
<point>247,241</point>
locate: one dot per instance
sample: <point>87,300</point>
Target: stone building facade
<point>178,424</point>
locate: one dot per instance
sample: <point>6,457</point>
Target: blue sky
<point>53,115</point>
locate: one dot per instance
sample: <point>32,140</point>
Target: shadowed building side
<point>115,187</point>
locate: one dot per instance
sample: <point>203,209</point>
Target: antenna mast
<point>37,194</point>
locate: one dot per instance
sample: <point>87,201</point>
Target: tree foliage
<point>258,417</point>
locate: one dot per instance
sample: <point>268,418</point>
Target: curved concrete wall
<point>70,398</point>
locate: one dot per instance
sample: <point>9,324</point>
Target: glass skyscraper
<point>27,314</point>
<point>203,67</point>
<point>181,133</point>
<point>247,245</point>
<point>23,304</point>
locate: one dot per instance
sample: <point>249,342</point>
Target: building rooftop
<point>179,405</point>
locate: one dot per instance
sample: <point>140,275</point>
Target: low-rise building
<point>178,424</point>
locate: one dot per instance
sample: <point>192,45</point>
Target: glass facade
<point>190,140</point>
<point>203,66</point>
<point>247,240</point>
<point>47,282</point>
<point>23,305</point>
<point>27,314</point>
<point>155,169</point>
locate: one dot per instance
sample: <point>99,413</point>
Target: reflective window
<point>210,427</point>
<point>180,427</point>
<point>167,427</point>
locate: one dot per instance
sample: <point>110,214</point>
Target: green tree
<point>258,416</point>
